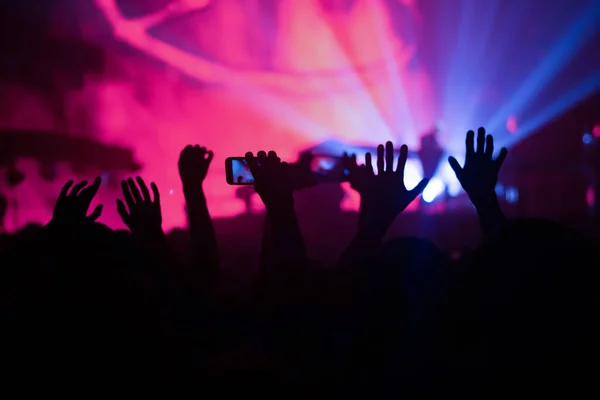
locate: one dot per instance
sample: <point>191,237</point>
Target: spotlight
<point>511,124</point>
<point>587,138</point>
<point>512,195</point>
<point>590,197</point>
<point>596,130</point>
<point>500,190</point>
<point>435,188</point>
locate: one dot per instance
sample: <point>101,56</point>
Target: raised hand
<point>142,214</point>
<point>273,179</point>
<point>383,195</point>
<point>193,164</point>
<point>479,175</point>
<point>71,207</point>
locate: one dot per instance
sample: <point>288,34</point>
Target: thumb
<point>455,166</point>
<point>419,188</point>
<point>96,213</point>
<point>123,211</point>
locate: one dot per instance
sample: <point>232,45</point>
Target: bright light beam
<point>553,63</point>
<point>558,107</point>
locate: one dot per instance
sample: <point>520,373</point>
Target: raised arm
<point>273,185</point>
<point>194,162</point>
<point>479,177</point>
<point>382,197</point>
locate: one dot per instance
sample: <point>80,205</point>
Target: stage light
<point>412,173</point>
<point>590,197</point>
<point>453,188</point>
<point>596,130</point>
<point>500,191</point>
<point>435,188</point>
<point>512,195</point>
<point>587,139</point>
<point>511,124</point>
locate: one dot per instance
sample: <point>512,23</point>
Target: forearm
<point>266,251</point>
<point>490,214</point>
<point>363,247</point>
<point>287,243</point>
<point>203,236</point>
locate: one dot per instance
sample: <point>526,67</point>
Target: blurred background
<point>119,87</point>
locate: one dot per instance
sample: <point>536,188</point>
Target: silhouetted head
<point>407,273</point>
<point>532,295</point>
<point>530,258</point>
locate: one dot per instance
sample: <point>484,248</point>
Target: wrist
<point>486,202</point>
<point>192,188</point>
<point>280,210</point>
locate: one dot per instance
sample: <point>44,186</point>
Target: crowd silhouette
<point>92,308</point>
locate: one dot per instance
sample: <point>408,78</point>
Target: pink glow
<point>590,197</point>
<point>345,78</point>
<point>511,124</point>
<point>596,130</point>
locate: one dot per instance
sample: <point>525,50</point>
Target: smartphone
<point>329,168</point>
<point>237,171</point>
<point>325,168</point>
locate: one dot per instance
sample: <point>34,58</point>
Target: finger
<point>209,156</point>
<point>134,190</point>
<point>349,162</point>
<point>380,159</point>
<point>369,163</point>
<point>480,140</point>
<point>127,195</point>
<point>252,163</point>
<point>470,142</point>
<point>272,158</point>
<point>156,193</point>
<point>123,212</point>
<point>65,189</point>
<point>402,159</point>
<point>96,213</point>
<point>419,188</point>
<point>501,158</point>
<point>455,166</point>
<point>389,157</point>
<point>77,188</point>
<point>144,188</point>
<point>489,146</point>
<point>261,157</point>
<point>90,191</point>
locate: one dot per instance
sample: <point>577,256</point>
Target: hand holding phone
<point>323,168</point>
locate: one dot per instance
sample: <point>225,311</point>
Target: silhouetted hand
<point>383,195</point>
<point>479,175</point>
<point>193,164</point>
<point>71,207</point>
<point>273,179</point>
<point>144,217</point>
<point>357,173</point>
